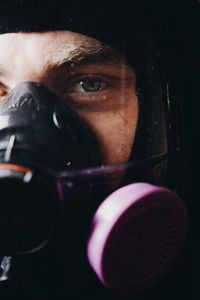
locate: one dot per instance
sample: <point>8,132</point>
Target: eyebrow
<point>80,55</point>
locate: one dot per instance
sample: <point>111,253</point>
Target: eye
<point>3,94</point>
<point>89,85</point>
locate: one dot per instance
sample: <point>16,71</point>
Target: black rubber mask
<point>40,136</point>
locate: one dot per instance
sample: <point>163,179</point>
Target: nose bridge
<point>27,65</point>
<point>29,93</point>
<point>26,70</point>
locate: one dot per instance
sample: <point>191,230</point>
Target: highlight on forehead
<point>98,53</point>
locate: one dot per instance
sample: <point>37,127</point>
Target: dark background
<point>178,29</point>
<point>177,26</point>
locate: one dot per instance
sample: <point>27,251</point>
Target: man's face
<point>92,78</point>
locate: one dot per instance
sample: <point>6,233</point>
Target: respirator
<point>51,170</point>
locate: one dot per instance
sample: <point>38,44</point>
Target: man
<point>93,79</point>
<point>105,69</point>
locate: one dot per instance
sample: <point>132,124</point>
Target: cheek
<point>115,132</point>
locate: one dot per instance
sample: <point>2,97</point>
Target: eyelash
<point>90,85</point>
<point>80,86</point>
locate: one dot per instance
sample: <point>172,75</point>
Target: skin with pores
<point>89,76</point>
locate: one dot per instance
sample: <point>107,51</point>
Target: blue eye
<point>90,85</point>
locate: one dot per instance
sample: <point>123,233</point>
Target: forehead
<point>55,48</point>
<point>50,44</point>
<point>58,37</point>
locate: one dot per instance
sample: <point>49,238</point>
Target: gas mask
<point>124,221</point>
<point>48,159</point>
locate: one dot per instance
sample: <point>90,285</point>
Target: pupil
<point>91,85</point>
